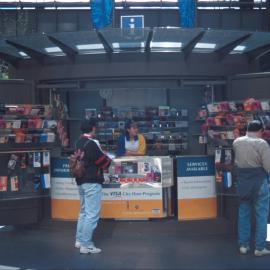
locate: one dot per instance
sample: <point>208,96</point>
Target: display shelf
<point>26,146</point>
<point>225,127</point>
<point>238,112</point>
<point>198,134</point>
<point>26,129</point>
<point>137,119</point>
<point>24,198</point>
<point>199,120</point>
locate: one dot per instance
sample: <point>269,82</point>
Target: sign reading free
<point>196,187</point>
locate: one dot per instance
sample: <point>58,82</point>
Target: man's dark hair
<point>88,125</point>
<point>254,126</point>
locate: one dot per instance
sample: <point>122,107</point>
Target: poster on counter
<point>196,187</point>
<point>133,189</point>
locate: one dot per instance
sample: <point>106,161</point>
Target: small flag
<point>187,10</point>
<point>101,12</point>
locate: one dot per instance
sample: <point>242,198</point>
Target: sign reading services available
<point>196,187</point>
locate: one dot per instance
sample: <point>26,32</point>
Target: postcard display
<point>27,133</point>
<point>24,174</point>
<point>134,188</point>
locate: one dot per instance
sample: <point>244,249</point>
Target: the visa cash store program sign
<point>196,187</point>
<point>130,201</point>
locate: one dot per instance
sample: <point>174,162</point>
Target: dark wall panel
<point>16,92</point>
<point>78,102</point>
<point>252,21</point>
<point>46,21</point>
<point>231,20</point>
<point>192,99</point>
<point>84,20</point>
<point>26,23</point>
<point>170,19</point>
<point>257,87</point>
<point>8,23</point>
<point>67,21</point>
<point>206,19</point>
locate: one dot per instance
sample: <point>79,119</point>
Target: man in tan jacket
<point>252,160</point>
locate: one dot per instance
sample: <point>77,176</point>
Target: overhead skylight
<point>117,45</point>
<point>205,46</point>
<point>53,50</point>
<point>23,54</point>
<point>175,45</point>
<point>82,47</point>
<point>239,48</point>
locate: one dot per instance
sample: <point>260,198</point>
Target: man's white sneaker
<point>91,249</point>
<point>244,250</point>
<point>77,244</point>
<point>263,252</point>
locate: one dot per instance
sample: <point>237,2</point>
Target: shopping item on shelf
<point>14,183</point>
<point>3,183</point>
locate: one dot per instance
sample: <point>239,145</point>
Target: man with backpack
<point>87,165</point>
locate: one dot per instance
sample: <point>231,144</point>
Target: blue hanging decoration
<point>101,12</point>
<point>187,10</point>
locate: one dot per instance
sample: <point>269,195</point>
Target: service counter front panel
<point>134,188</point>
<point>196,187</point>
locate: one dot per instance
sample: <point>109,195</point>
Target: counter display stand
<point>134,188</point>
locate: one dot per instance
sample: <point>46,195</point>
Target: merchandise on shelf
<point>25,124</point>
<point>164,128</point>
<point>24,172</point>
<point>224,166</point>
<point>227,121</point>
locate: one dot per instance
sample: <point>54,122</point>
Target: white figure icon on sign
<point>132,23</point>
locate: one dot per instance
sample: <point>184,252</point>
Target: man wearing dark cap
<point>252,164</point>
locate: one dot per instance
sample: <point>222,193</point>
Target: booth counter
<point>134,188</point>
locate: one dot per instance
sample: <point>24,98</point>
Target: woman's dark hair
<point>254,126</point>
<point>88,125</point>
<point>129,123</point>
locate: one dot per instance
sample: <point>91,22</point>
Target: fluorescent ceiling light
<point>89,47</point>
<point>23,54</point>
<point>176,45</point>
<point>53,50</point>
<point>239,48</point>
<point>205,45</point>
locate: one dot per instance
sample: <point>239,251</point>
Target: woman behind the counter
<point>131,143</point>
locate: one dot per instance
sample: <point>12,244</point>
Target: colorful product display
<point>24,172</point>
<point>26,124</point>
<point>226,121</point>
<point>164,128</point>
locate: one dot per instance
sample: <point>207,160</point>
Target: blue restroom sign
<point>132,22</point>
